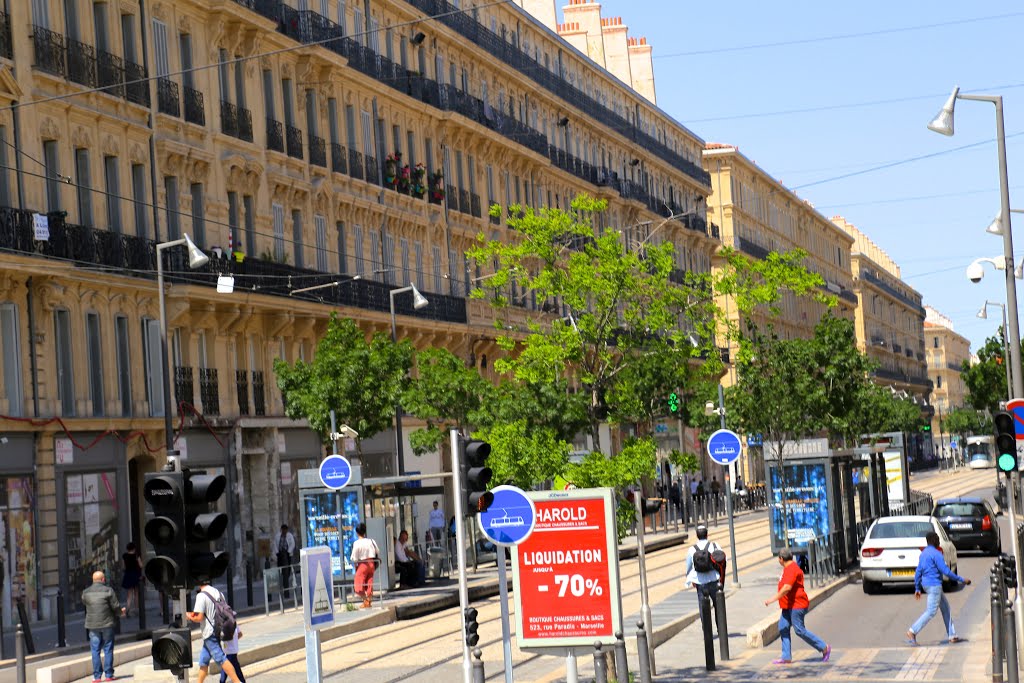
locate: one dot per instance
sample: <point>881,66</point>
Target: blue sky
<point>929,215</point>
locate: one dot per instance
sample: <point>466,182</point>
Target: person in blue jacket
<point>931,567</point>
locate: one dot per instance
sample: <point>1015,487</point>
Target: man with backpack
<point>218,620</point>
<point>701,569</point>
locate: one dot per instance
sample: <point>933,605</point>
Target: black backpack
<point>223,623</point>
<point>702,561</point>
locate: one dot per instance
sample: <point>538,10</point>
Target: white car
<point>893,546</point>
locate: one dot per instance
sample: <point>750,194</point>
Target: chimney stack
<point>641,66</point>
<point>542,10</point>
<point>616,51</point>
<point>586,16</point>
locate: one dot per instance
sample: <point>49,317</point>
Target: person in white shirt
<point>706,582</point>
<point>204,612</point>
<point>411,571</point>
<point>285,555</point>
<point>437,524</point>
<point>231,651</point>
<point>365,556</point>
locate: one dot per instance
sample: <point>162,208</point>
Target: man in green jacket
<point>101,609</point>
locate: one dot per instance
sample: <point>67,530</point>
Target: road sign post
<point>724,448</point>
<point>335,472</point>
<point>317,604</point>
<point>509,520</point>
<point>1015,407</point>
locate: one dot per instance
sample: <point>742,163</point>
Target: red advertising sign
<point>566,574</point>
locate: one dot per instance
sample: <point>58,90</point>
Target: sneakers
<point>911,639</point>
<point>826,653</point>
<point>782,661</point>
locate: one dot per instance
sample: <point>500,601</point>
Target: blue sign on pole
<point>335,472</point>
<point>510,518</point>
<point>318,602</point>
<point>724,447</point>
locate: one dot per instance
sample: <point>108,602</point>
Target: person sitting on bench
<point>411,571</point>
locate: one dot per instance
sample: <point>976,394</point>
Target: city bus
<point>980,452</point>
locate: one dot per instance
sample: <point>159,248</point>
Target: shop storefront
<point>95,519</point>
<point>297,449</point>
<point>18,567</point>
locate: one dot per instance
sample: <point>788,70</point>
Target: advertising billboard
<point>331,519</point>
<point>806,493</point>
<point>566,574</point>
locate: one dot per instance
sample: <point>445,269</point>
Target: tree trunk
<point>781,463</point>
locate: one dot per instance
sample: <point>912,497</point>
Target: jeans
<point>102,638</point>
<point>936,602</point>
<point>795,618</point>
<point>233,658</point>
<point>707,590</point>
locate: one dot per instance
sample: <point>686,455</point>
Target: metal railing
<point>49,51</point>
<point>275,135</point>
<point>317,151</point>
<point>6,46</point>
<point>81,63</point>
<point>136,86</point>
<point>110,73</point>
<point>339,158</point>
<point>242,390</point>
<point>184,390</point>
<point>258,402</point>
<point>167,99</point>
<point>355,163</point>
<point>195,110</point>
<point>293,136</point>
<point>209,391</point>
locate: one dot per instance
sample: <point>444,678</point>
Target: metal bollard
<point>723,625</point>
<point>248,584</point>
<point>643,653</point>
<point>600,665</point>
<point>1010,628</point>
<point>478,666</point>
<point>621,661</point>
<point>19,652</point>
<point>997,634</point>
<point>61,635</point>
<point>709,645</point>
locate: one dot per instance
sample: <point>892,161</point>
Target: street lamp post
<point>418,302</point>
<point>196,259</point>
<point>983,314</point>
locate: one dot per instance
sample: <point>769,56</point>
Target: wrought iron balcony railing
<point>209,391</point>
<point>355,164</point>
<point>167,100</point>
<point>339,158</point>
<point>81,63</point>
<point>372,173</point>
<point>259,407</point>
<point>242,391</point>
<point>49,51</point>
<point>293,136</point>
<point>6,46</point>
<point>136,84</point>
<point>235,121</point>
<point>184,391</point>
<point>195,110</point>
<point>275,135</point>
<point>110,73</point>
<point>317,151</point>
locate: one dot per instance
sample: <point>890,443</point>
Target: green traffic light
<point>673,402</point>
<point>1007,462</point>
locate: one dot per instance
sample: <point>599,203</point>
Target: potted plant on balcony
<point>418,181</point>
<point>391,164</point>
<point>437,187</point>
<point>404,179</point>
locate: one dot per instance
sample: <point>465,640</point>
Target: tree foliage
<point>986,379</point>
<point>966,422</point>
<point>360,380</point>
<point>444,393</point>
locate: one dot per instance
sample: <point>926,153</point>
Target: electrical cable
<point>897,200</point>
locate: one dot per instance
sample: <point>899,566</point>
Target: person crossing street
<point>931,568</point>
<point>792,599</point>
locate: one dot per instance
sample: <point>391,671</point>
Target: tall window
<point>152,366</point>
<point>357,237</point>
<point>112,185</point>
<point>435,255</point>
<point>198,215</point>
<point>41,13</point>
<point>65,367</point>
<point>342,251</point>
<point>375,248</point>
<point>5,188</point>
<point>139,203</point>
<point>268,93</point>
<point>51,167</point>
<point>84,182</point>
<point>94,349</point>
<point>321,243</point>
<point>162,64</point>
<point>10,356</point>
<point>233,220</point>
<point>224,79</point>
<point>127,37</point>
<point>185,54</point>
<point>250,224</point>
<point>368,149</point>
<point>124,366</point>
<point>172,208</point>
<point>297,238</point>
<point>278,215</point>
<point>404,254</point>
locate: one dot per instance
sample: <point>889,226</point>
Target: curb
<point>766,631</point>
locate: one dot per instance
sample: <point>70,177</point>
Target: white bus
<point>980,452</point>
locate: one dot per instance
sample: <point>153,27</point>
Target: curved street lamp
<point>983,314</point>
<point>418,301</point>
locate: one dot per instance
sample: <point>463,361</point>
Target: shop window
<point>92,515</point>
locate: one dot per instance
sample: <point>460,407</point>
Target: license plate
<point>966,525</point>
<point>901,572</point>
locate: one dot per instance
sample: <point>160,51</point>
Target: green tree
<point>360,380</point>
<point>986,379</point>
<point>444,393</point>
<point>523,455</point>
<point>848,402</point>
<point>965,422</point>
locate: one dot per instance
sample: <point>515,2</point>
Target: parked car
<point>970,523</point>
<point>893,546</point>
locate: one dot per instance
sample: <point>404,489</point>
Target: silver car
<point>893,546</point>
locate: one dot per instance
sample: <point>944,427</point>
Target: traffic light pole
<point>183,593</point>
<point>460,551</point>
<point>1015,538</point>
<point>728,496</point>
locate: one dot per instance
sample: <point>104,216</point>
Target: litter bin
<point>435,563</point>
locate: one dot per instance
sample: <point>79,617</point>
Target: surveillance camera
<point>709,408</point>
<point>975,272</point>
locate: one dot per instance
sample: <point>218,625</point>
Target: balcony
<point>293,136</point>
<point>81,63</point>
<point>6,46</point>
<point>372,172</point>
<point>167,100</point>
<point>259,407</point>
<point>183,388</point>
<point>209,391</point>
<point>271,9</point>
<point>464,203</point>
<point>275,135</point>
<point>474,205</point>
<point>909,353</point>
<point>136,84</point>
<point>110,73</point>
<point>235,121</point>
<point>317,151</point>
<point>242,391</point>
<point>752,248</point>
<point>339,158</point>
<point>848,295</point>
<point>955,367</point>
<point>355,164</point>
<point>49,51</point>
<point>451,196</point>
<point>896,348</point>
<point>195,111</point>
<point>892,291</point>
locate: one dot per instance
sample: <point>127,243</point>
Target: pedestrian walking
<point>231,652</point>
<point>931,567</point>
<point>793,602</point>
<point>700,569</point>
<point>437,524</point>
<point>285,555</point>
<point>132,579</point>
<point>204,612</point>
<point>365,556</point>
<point>101,612</point>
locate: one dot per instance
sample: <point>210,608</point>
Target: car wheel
<point>870,587</point>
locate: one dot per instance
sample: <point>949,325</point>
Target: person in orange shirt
<point>792,599</point>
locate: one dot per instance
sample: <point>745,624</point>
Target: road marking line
<point>851,664</point>
<point>922,665</point>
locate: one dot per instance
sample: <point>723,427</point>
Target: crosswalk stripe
<point>850,664</point>
<point>922,665</point>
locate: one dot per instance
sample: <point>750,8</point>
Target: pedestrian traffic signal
<point>172,649</point>
<point>1006,442</point>
<point>476,476</point>
<point>167,570</point>
<point>674,404</point>
<point>1008,566</point>
<point>205,526</point>
<point>472,637</point>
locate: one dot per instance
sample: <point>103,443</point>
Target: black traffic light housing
<point>204,526</point>
<point>472,637</point>
<point>1008,566</point>
<point>648,506</point>
<point>172,649</point>
<point>476,476</point>
<point>1006,442</point>
<point>167,569</point>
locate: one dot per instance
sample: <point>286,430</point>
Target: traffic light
<point>172,649</point>
<point>472,637</point>
<point>476,475</point>
<point>165,493</point>
<point>648,506</point>
<point>674,404</point>
<point>1008,567</point>
<point>204,526</point>
<point>1006,442</point>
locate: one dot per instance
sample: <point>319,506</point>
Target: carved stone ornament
<point>48,129</point>
<point>136,154</point>
<point>286,70</point>
<point>198,170</point>
<point>80,138</point>
<point>184,24</point>
<point>110,146</point>
<point>160,11</point>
